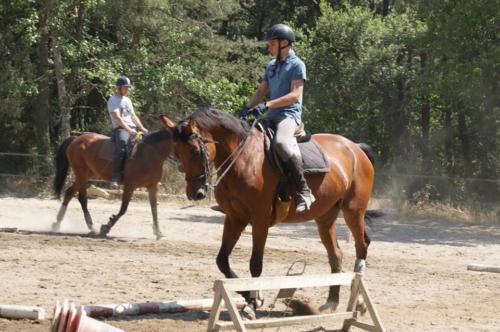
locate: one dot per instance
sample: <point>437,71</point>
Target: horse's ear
<point>167,123</point>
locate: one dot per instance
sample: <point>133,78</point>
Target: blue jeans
<point>122,140</point>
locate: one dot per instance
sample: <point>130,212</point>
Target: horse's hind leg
<point>355,220</point>
<point>328,234</point>
<point>82,198</point>
<point>153,201</point>
<point>68,195</point>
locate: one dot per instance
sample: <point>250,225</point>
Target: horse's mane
<point>156,136</point>
<point>210,118</point>
<point>151,138</point>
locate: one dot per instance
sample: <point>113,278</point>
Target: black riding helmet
<point>280,31</point>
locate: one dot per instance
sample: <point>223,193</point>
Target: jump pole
<point>135,309</point>
<point>21,312</point>
<point>483,268</point>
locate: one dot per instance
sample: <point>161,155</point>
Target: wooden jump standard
<point>224,287</point>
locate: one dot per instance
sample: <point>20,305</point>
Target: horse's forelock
<point>180,133</point>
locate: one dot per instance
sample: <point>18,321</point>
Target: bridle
<point>207,174</point>
<point>206,177</point>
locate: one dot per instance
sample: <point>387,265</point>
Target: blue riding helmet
<point>123,81</point>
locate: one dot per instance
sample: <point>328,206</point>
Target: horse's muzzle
<point>199,194</point>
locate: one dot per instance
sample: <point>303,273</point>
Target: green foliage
<point>417,80</point>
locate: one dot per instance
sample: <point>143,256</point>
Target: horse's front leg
<point>260,230</point>
<point>126,196</point>
<point>328,234</point>
<point>230,235</point>
<point>153,201</point>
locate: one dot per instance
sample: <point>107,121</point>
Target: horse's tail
<point>368,151</point>
<point>62,166</point>
<point>370,214</point>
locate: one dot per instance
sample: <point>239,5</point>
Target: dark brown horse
<point>247,191</point>
<point>89,156</point>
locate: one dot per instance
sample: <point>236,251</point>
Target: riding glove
<point>244,112</point>
<point>259,109</point>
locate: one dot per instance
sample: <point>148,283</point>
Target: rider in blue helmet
<point>125,124</point>
<point>284,80</point>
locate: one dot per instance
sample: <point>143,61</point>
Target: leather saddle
<point>314,161</point>
<point>108,147</point>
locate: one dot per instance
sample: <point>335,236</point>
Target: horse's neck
<point>160,149</point>
<point>227,146</point>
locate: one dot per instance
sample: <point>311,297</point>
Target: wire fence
<point>388,184</point>
<point>24,165</point>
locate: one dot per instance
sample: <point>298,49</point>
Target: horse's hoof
<point>159,235</point>
<point>329,306</point>
<point>248,312</point>
<point>361,306</point>
<point>104,230</point>
<point>55,227</point>
<point>93,231</point>
<point>300,308</point>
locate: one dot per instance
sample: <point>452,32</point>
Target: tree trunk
<point>425,116</point>
<point>42,111</point>
<point>464,140</point>
<point>399,117</point>
<point>448,141</point>
<point>80,19</point>
<point>64,102</point>
<point>385,8</point>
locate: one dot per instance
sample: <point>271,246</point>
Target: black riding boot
<point>117,170</point>
<point>303,196</point>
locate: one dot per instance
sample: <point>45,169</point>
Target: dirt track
<point>416,269</point>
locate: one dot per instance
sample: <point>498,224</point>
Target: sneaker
<point>115,185</point>
<point>304,202</point>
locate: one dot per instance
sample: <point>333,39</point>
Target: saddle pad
<point>108,147</point>
<point>314,160</point>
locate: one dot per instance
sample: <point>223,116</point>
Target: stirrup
<point>304,202</point>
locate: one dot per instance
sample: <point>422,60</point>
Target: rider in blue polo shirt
<point>284,79</point>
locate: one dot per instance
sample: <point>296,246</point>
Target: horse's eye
<point>194,152</point>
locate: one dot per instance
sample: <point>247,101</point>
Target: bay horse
<point>89,156</point>
<point>248,186</point>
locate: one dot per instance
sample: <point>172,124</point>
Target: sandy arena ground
<point>416,269</point>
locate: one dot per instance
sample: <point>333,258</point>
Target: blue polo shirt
<point>279,77</point>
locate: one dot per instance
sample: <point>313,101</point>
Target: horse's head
<point>195,150</point>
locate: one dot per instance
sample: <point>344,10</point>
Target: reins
<point>206,166</point>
